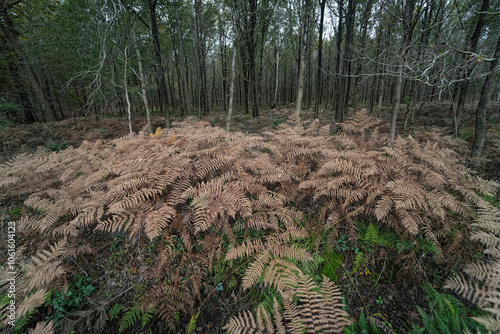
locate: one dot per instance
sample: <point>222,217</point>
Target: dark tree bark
<point>319,75</point>
<point>200,53</point>
<point>187,96</point>
<point>410,15</point>
<point>477,146</point>
<point>19,84</point>
<point>303,44</point>
<point>345,82</point>
<point>464,86</point>
<point>12,38</point>
<point>339,81</point>
<point>160,70</point>
<point>223,56</point>
<point>365,19</point>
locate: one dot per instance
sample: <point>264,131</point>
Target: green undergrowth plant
<point>446,315</point>
<point>198,214</point>
<point>136,316</point>
<point>63,302</point>
<point>369,325</point>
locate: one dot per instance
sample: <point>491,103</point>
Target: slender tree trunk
<point>187,96</point>
<point>251,45</point>
<point>410,15</point>
<point>477,146</point>
<point>12,37</point>
<point>144,94</point>
<point>275,103</point>
<point>125,87</point>
<point>160,73</point>
<point>300,82</point>
<point>319,75</point>
<point>231,89</point>
<point>464,86</point>
<point>223,56</point>
<point>19,83</point>
<point>345,82</point>
<point>200,53</point>
<point>338,112</point>
<point>395,105</point>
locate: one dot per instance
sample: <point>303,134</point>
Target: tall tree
<point>471,48</point>
<point>345,79</point>
<point>160,69</point>
<point>12,37</point>
<point>319,75</point>
<point>410,14</point>
<point>479,133</point>
<point>187,95</point>
<point>303,48</point>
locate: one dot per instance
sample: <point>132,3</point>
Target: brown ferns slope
<point>203,197</point>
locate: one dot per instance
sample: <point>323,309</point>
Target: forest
<point>260,166</point>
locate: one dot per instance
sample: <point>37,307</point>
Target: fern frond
<point>43,328</point>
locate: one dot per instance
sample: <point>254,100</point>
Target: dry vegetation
<point>198,230</point>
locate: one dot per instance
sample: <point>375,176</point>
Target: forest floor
<point>401,296</point>
<point>433,122</point>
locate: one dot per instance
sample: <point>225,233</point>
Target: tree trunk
<point>187,96</point>
<point>276,76</point>
<point>13,39</point>
<point>464,86</point>
<point>300,82</point>
<point>144,94</point>
<point>395,106</point>
<point>410,16</point>
<point>339,114</point>
<point>222,52</point>
<point>19,82</point>
<point>160,73</point>
<point>231,89</point>
<point>200,53</point>
<point>125,87</point>
<point>477,146</point>
<point>320,59</point>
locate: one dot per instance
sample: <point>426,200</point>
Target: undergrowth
<point>172,228</point>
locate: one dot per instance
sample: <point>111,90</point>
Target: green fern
<point>358,262</point>
<point>22,321</point>
<point>190,328</point>
<point>371,236</point>
<point>404,245</point>
<point>134,316</point>
<point>114,311</point>
<point>363,325</point>
<point>146,317</point>
<point>446,315</point>
<point>426,245</point>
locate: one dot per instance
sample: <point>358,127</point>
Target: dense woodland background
<point>353,187</point>
<point>62,59</point>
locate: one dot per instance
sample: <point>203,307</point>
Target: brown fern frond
<point>47,266</point>
<point>243,324</point>
<point>255,270</point>
<point>32,302</point>
<point>43,328</point>
<point>359,122</point>
<point>158,220</point>
<point>212,165</point>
